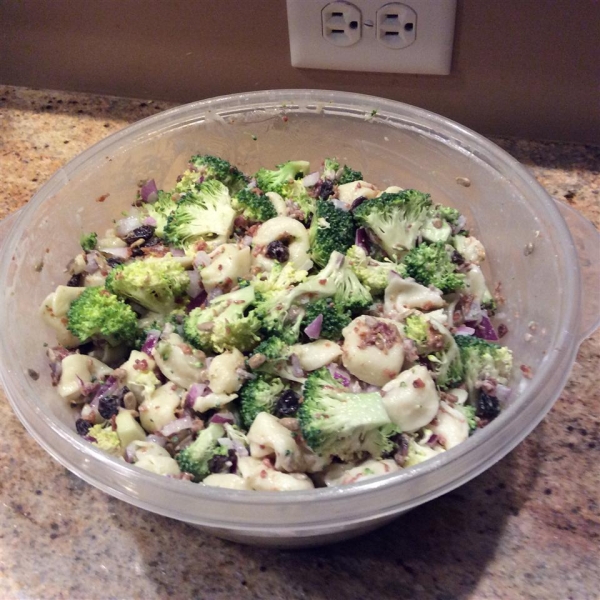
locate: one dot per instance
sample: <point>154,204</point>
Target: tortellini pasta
<point>260,476</point>
<point>229,263</point>
<point>411,399</point>
<point>343,474</point>
<point>289,231</point>
<point>349,192</point>
<point>152,457</point>
<point>223,372</point>
<point>314,355</point>
<point>54,311</point>
<point>403,294</point>
<point>278,203</point>
<point>373,349</point>
<point>139,374</point>
<point>159,409</point>
<point>471,248</point>
<point>78,369</point>
<point>450,425</point>
<point>179,362</point>
<point>128,429</point>
<point>227,480</point>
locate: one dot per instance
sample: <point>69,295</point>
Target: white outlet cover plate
<point>430,54</point>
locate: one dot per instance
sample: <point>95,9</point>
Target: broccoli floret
<point>446,363</point>
<point>334,318</point>
<point>274,348</point>
<point>483,360</point>
<point>155,283</point>
<point>438,227</point>
<point>417,329</point>
<point>431,264</point>
<point>195,458</point>
<point>469,412</point>
<point>89,241</point>
<point>278,180</point>
<point>254,207</point>
<point>225,323</point>
<point>204,213</point>
<point>259,395</point>
<point>395,220</point>
<point>279,279</point>
<point>330,168</point>
<point>337,422</point>
<point>349,175</point>
<point>98,313</point>
<point>105,438</point>
<point>205,167</point>
<point>372,273</point>
<point>160,211</point>
<point>448,213</point>
<point>331,229</point>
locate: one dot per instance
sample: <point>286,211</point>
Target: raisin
<point>113,261</point>
<point>108,406</point>
<point>153,241</point>
<point>82,426</point>
<point>223,463</point>
<point>287,404</point>
<point>326,189</point>
<point>457,258</point>
<point>75,280</point>
<point>277,250</point>
<point>137,251</point>
<point>502,330</point>
<point>145,232</point>
<point>488,406</point>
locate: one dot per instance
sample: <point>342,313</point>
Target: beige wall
<point>528,68</point>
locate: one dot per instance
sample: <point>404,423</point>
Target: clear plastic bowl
<point>391,143</point>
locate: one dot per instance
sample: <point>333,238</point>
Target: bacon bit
<point>284,118</point>
<point>263,474</point>
<point>502,330</point>
<point>102,198</point>
<point>379,334</point>
<point>527,372</point>
<point>142,408</point>
<point>322,281</point>
<point>448,397</point>
<point>251,231</point>
<point>130,401</point>
<point>185,349</point>
<point>498,297</point>
<point>418,383</point>
<point>140,364</point>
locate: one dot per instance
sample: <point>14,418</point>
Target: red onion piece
<point>194,288</point>
<point>296,368</point>
<point>91,263</point>
<point>87,388</point>
<point>340,205</point>
<point>149,221</point>
<point>150,342</point>
<point>176,426</point>
<point>433,440</point>
<point>247,240</point>
<point>311,179</point>
<point>176,252</point>
<point>340,374</point>
<point>357,202</point>
<point>130,453</point>
<point>226,443</point>
<point>110,386</point>
<point>216,291</point>
<point>475,314</point>
<point>196,391</point>
<point>361,239</point>
<point>127,225</point>
<point>123,253</point>
<point>202,259</point>
<point>243,374</point>
<point>502,393</point>
<point>196,302</point>
<point>464,330</point>
<point>484,329</point>
<point>222,417</point>
<point>313,330</point>
<point>149,191</point>
<point>157,438</point>
<point>55,357</point>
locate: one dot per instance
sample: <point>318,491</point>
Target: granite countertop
<point>529,527</point>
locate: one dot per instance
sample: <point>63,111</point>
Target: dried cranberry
<point>287,404</point>
<point>502,330</point>
<point>488,406</point>
<point>109,406</point>
<point>223,463</point>
<point>82,426</point>
<point>277,250</point>
<point>145,232</point>
<point>75,280</point>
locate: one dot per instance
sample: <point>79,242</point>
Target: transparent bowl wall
<point>398,144</point>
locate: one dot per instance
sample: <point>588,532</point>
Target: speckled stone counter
<point>527,528</point>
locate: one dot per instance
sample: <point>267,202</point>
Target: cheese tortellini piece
<point>267,436</point>
<point>278,203</point>
<point>218,401</point>
<point>54,311</point>
<point>223,373</point>
<point>450,425</point>
<point>229,263</point>
<point>159,409</point>
<point>314,355</point>
<point>403,294</point>
<point>154,458</point>
<point>139,374</point>
<point>349,192</point>
<point>411,399</point>
<point>226,480</point>
<point>261,477</point>
<point>179,362</point>
<point>128,429</point>
<point>342,474</point>
<point>471,248</point>
<point>78,369</point>
<point>475,284</point>
<point>286,230</point>
<point>373,349</point>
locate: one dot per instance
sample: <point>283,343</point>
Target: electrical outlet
<point>413,36</point>
<point>396,25</point>
<point>342,23</point>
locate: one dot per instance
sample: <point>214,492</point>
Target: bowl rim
<point>447,131</point>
